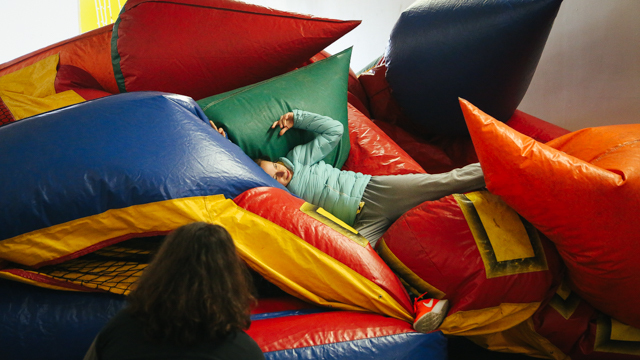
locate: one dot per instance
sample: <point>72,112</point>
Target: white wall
<point>589,73</point>
<point>369,39</point>
<point>29,25</point>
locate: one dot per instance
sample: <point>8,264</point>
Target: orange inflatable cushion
<point>582,190</point>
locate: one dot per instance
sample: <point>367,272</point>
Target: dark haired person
<point>191,302</point>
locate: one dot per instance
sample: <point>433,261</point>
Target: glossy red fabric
<point>71,77</point>
<point>582,190</point>
<point>373,152</point>
<point>201,48</point>
<point>292,332</point>
<point>534,127</point>
<point>382,105</point>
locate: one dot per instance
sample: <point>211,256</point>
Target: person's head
<point>276,170</point>
<point>195,288</point>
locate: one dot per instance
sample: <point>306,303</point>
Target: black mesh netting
<point>117,267</point>
<point>114,268</point>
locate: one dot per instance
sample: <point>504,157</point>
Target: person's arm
<point>329,134</point>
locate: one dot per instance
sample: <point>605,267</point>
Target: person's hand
<point>218,129</point>
<point>285,123</point>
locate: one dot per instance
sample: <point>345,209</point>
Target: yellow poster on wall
<point>98,13</point>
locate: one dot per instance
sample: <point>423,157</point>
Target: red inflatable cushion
<point>293,332</point>
<point>202,48</point>
<point>373,152</point>
<point>450,248</point>
<point>582,190</point>
<point>326,235</point>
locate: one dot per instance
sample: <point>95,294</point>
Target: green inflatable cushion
<point>247,113</point>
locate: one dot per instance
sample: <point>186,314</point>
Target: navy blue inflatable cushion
<point>112,153</point>
<point>485,51</point>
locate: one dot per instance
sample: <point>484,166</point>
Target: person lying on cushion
<point>370,204</point>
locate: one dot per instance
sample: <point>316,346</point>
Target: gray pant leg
<point>388,197</point>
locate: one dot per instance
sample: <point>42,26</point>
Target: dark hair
<point>261,159</point>
<point>196,288</point>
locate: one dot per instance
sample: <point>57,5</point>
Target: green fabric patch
<point>247,113</point>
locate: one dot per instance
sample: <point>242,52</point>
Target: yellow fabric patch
<point>506,233</point>
<point>488,320</point>
<point>30,91</point>
<point>615,337</point>
<point>624,332</point>
<point>504,247</point>
<point>333,222</point>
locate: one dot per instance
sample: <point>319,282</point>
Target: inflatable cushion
<point>30,91</point>
<point>484,51</point>
<point>373,152</point>
<point>382,105</point>
<point>582,190</point>
<point>340,267</point>
<point>105,170</point>
<point>201,48</point>
<point>356,95</point>
<point>334,335</point>
<point>472,249</point>
<point>318,263</point>
<point>248,113</point>
<point>49,324</point>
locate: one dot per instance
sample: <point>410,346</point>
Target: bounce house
<point>107,147</point>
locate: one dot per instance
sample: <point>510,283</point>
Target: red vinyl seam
<point>47,280</point>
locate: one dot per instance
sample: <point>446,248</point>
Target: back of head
<point>196,288</point>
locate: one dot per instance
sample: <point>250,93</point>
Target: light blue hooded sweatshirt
<point>337,191</point>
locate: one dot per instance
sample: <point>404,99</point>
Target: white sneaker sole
<point>432,320</point>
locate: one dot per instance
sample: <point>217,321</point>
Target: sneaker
<point>429,314</point>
